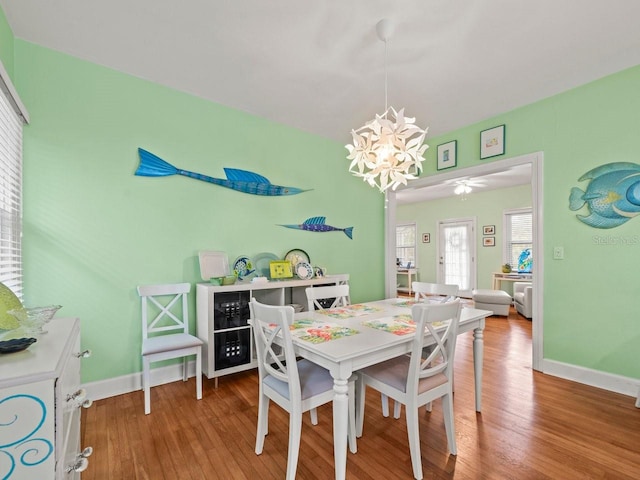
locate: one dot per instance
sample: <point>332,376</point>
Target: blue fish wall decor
<point>612,195</point>
<point>318,224</point>
<point>239,180</point>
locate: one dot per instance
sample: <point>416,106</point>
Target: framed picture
<point>426,238</point>
<point>447,155</point>
<point>489,242</point>
<point>492,142</point>
<point>489,230</point>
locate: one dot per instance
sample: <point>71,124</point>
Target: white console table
<point>223,311</point>
<point>412,274</point>
<point>498,277</point>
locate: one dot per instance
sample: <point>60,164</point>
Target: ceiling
<point>319,67</point>
<point>508,177</point>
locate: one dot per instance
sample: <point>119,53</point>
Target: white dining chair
<point>295,385</point>
<point>439,292</point>
<point>165,333</point>
<point>415,381</point>
<point>434,291</point>
<point>338,295</point>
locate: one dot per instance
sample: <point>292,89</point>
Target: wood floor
<point>532,426</point>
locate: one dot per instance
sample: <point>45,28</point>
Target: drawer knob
<point>85,354</point>
<point>80,465</point>
<point>87,452</point>
<point>78,395</point>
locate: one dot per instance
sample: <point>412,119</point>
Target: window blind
<point>519,235</point>
<point>10,195</point>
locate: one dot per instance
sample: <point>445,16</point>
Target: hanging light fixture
<point>388,150</point>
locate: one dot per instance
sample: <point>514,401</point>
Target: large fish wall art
<point>318,224</point>
<point>612,195</point>
<point>240,180</point>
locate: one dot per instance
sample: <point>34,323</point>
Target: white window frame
<point>12,117</point>
<point>507,239</point>
<point>414,246</point>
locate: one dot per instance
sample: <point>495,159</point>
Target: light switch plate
<point>558,253</point>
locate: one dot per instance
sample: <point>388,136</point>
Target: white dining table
<point>345,355</point>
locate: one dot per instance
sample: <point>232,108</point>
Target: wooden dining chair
<point>434,291</point>
<point>415,381</point>
<point>165,333</point>
<point>295,385</point>
<point>334,296</point>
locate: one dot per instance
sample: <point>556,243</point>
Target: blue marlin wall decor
<point>318,224</point>
<point>612,195</point>
<point>240,180</point>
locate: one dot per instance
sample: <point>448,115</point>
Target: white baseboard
<point>595,378</point>
<point>172,373</point>
<point>130,383</point>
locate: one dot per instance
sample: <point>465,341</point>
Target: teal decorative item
<point>525,261</point>
<point>239,180</point>
<point>317,224</point>
<point>612,195</point>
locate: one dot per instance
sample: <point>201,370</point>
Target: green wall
<point>486,207</point>
<point>93,231</point>
<point>592,297</point>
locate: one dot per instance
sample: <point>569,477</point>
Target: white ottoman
<point>495,300</point>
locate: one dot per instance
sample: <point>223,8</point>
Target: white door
<point>457,254</point>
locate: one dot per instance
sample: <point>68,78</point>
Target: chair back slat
<point>164,308</point>
<point>269,322</point>
<point>441,291</point>
<point>441,323</point>
<point>339,294</point>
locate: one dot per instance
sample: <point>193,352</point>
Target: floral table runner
<point>398,324</point>
<point>349,311</point>
<point>319,332</point>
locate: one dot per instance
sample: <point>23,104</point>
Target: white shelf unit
<point>222,313</point>
<point>40,389</point>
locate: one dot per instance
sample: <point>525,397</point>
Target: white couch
<point>523,298</point>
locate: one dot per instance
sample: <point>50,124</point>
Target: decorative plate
<point>261,263</point>
<point>16,345</point>
<point>296,256</point>
<point>243,267</point>
<point>304,271</point>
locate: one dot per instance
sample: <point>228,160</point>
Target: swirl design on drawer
<point>21,417</point>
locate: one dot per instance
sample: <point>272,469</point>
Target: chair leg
<point>295,429</point>
<point>198,375</point>
<point>185,369</point>
<point>361,388</point>
<point>314,416</point>
<point>397,406</point>
<point>428,406</point>
<point>263,422</point>
<point>449,423</point>
<point>351,429</point>
<point>384,400</point>
<point>146,385</point>
<point>413,430</point>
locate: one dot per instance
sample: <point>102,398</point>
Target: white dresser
<point>40,402</point>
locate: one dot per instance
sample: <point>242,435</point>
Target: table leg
<point>340,422</point>
<point>478,358</point>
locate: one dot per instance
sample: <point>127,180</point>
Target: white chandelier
<point>389,150</point>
